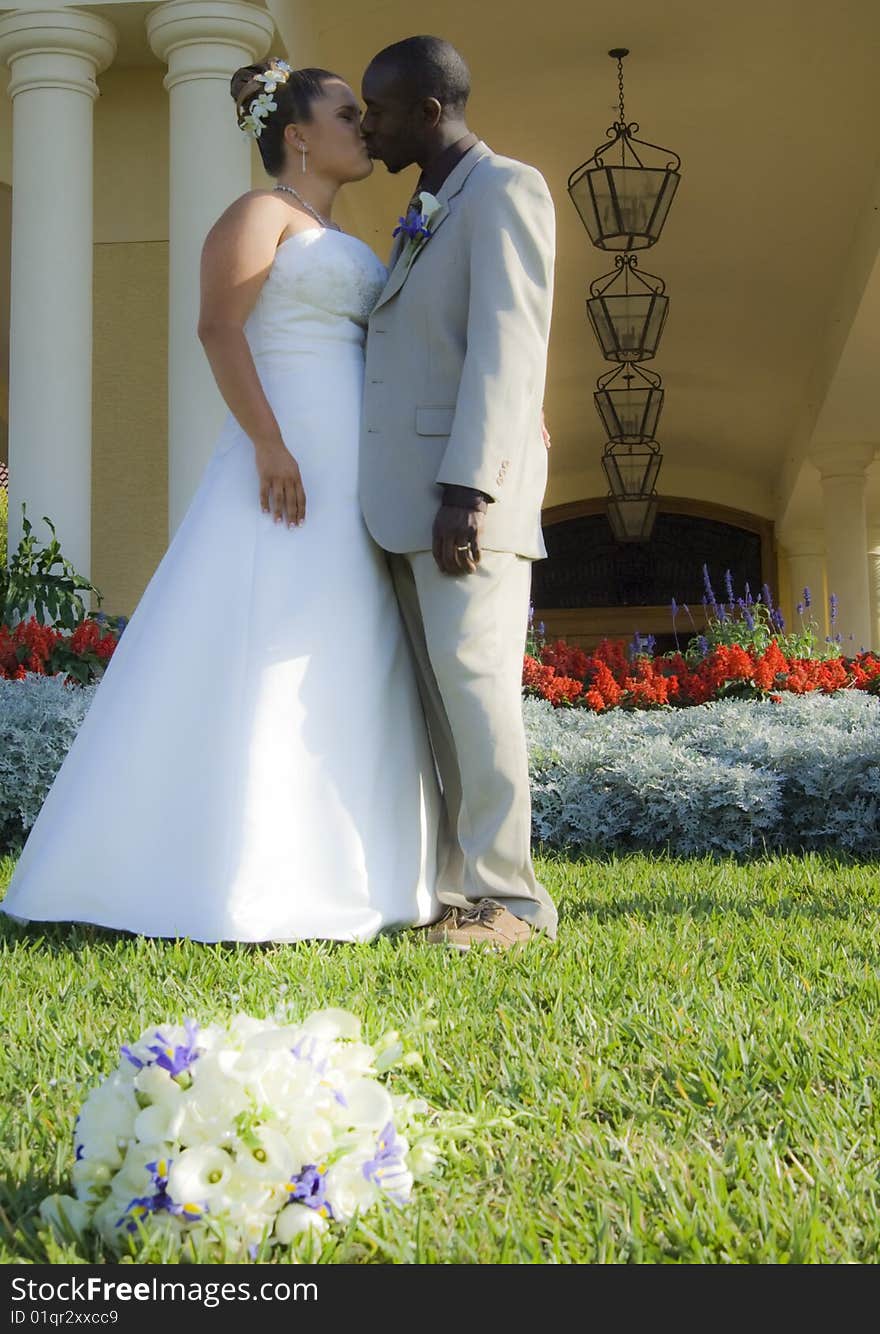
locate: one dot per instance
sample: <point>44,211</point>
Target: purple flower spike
<point>800,609</point>
<point>807,598</point>
<point>749,618</point>
<point>832,603</point>
<point>767,596</point>
<point>707,584</point>
<point>728,586</point>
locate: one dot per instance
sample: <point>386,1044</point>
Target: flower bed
<point>81,654</point>
<point>745,651</point>
<point>609,678</point>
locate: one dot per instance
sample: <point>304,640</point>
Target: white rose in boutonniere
<point>416,226</point>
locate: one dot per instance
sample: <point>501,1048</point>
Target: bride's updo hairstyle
<point>293,91</point>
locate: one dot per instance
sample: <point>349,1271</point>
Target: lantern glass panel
<point>632,520</point>
<point>629,414</point>
<point>631,471</point>
<point>624,208</point>
<point>628,326</point>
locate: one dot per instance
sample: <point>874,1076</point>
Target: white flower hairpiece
<point>278,73</point>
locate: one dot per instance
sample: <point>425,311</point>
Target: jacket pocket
<point>434,421</point>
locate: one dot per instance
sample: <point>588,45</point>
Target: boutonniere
<point>416,226</point>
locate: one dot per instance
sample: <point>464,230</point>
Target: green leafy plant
<point>4,524</point>
<point>42,583</point>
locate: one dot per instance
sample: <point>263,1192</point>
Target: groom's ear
<point>432,112</point>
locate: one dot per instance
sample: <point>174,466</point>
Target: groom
<point>454,466</point>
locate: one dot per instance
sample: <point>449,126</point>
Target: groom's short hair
<point>429,67</point>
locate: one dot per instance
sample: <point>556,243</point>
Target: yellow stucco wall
<point>129,459</point>
<point>130,422</point>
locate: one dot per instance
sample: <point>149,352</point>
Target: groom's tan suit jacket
<point>456,359</point>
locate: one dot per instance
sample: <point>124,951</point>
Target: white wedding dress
<point>255,764</point>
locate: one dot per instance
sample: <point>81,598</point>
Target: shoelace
<point>482,914</point>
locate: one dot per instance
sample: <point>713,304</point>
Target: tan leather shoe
<point>486,923</point>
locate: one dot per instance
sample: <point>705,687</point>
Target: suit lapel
<point>402,263</point>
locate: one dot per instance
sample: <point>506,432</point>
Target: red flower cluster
<point>544,682</point>
<point>606,678</point>
<point>31,647</point>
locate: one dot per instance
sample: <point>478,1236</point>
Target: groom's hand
<point>457,524</point>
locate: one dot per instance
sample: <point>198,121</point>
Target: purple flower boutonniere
<point>416,226</point>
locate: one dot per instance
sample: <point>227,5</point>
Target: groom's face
<point>393,123</point>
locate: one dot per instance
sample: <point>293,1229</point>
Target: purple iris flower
<point>176,1059</point>
<point>412,225</point>
<point>305,1049</point>
<point>388,1158</point>
<point>309,1187</point>
<point>160,1201</point>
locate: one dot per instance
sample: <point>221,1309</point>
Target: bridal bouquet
<point>248,1135</point>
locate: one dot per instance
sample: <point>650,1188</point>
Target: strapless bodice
<point>320,291</point>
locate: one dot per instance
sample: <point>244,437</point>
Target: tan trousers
<point>468,635</point>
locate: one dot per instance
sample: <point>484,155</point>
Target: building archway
<point>591,587</point>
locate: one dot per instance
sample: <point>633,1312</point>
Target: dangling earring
<point>303,158</point>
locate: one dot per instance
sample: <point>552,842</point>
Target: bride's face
<point>333,137</point>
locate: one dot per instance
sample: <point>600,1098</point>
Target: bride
<point>255,764</point>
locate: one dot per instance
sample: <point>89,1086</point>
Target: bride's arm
<point>236,257</point>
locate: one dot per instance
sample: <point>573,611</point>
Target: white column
<point>842,468</point>
<point>804,553</point>
<point>203,43</point>
<point>874,585</point>
<point>53,55</point>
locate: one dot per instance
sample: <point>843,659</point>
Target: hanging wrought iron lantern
<point>631,520</point>
<point>624,207</point>
<point>628,310</point>
<point>629,401</point>
<point>632,471</point>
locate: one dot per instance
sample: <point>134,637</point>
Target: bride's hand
<point>281,488</point>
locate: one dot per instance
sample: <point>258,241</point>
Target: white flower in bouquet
<point>263,1131</point>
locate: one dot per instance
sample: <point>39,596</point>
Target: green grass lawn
<point>690,1070</point>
